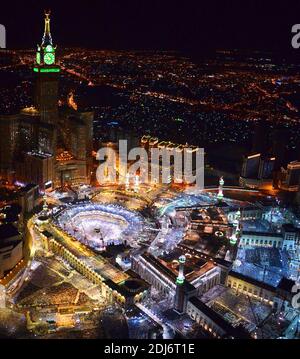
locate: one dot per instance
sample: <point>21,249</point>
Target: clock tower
<point>47,73</point>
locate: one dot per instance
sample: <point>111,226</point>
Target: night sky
<point>158,24</point>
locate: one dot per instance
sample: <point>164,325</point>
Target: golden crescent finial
<point>47,13</point>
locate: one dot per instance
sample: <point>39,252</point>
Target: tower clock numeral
<point>49,58</point>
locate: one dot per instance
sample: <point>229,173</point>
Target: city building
<point>29,197</point>
<point>250,166</point>
<point>47,143</point>
<point>266,168</point>
<point>261,239</point>
<point>257,171</point>
<point>247,212</point>
<point>290,177</point>
<point>162,273</point>
<point>280,296</point>
<point>167,149</point>
<point>8,130</point>
<point>287,239</point>
<point>37,167</point>
<point>11,248</point>
<point>212,322</point>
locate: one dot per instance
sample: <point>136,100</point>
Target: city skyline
<point>101,236</point>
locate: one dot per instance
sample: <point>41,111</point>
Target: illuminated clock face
<point>49,58</point>
<point>49,48</point>
<point>38,57</point>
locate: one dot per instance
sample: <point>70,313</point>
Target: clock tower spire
<point>47,38</point>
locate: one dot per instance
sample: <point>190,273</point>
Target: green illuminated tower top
<point>45,55</point>
<point>180,278</point>
<point>47,71</point>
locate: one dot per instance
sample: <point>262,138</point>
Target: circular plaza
<point>100,225</point>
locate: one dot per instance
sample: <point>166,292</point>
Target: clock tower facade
<point>47,73</point>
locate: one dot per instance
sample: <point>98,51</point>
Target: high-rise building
<point>290,177</point>
<point>266,167</point>
<point>250,166</point>
<point>293,173</point>
<point>220,190</point>
<point>8,129</point>
<point>37,168</point>
<point>47,70</point>
<point>186,164</point>
<point>257,171</point>
<point>11,248</point>
<point>47,143</point>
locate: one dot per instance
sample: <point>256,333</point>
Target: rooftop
<point>252,281</point>
<point>218,319</point>
<point>263,234</point>
<point>8,231</point>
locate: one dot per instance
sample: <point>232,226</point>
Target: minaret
<point>180,278</point>
<point>237,217</point>
<point>236,234</point>
<point>179,296</point>
<point>46,69</point>
<point>237,228</point>
<point>45,206</point>
<point>235,240</point>
<point>220,192</point>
